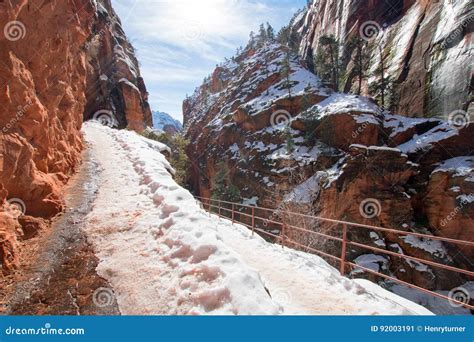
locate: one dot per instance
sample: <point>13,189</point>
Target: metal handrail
<point>388,230</point>
<point>283,239</point>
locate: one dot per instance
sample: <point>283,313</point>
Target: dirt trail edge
<point>63,279</point>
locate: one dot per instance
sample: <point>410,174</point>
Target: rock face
<point>55,58</point>
<point>427,46</point>
<point>237,107</point>
<point>278,138</point>
<point>117,91</point>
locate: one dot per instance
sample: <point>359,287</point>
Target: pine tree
<point>290,142</point>
<point>286,71</point>
<point>262,35</point>
<point>287,37</point>
<point>252,41</point>
<point>270,32</point>
<point>283,35</point>
<point>266,71</point>
<point>221,186</point>
<point>178,159</point>
<point>327,61</point>
<point>305,100</point>
<point>310,120</point>
<point>360,59</point>
<point>383,88</point>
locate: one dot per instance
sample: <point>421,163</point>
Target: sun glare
<point>210,15</point>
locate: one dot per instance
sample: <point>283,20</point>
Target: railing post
<point>233,213</point>
<point>219,213</point>
<point>343,249</point>
<point>253,221</point>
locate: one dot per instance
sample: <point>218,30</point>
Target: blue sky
<point>179,42</point>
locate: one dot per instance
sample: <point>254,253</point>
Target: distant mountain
<point>164,122</point>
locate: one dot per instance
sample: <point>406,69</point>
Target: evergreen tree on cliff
<point>360,60</point>
<point>327,61</point>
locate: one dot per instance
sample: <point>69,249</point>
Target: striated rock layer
<point>61,62</point>
<point>427,47</point>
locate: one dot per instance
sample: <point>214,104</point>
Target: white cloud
<point>180,41</point>
<point>197,25</point>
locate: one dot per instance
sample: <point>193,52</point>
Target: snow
<point>455,189</point>
<point>250,201</point>
<point>234,148</point>
<point>305,284</point>
<point>437,305</point>
<point>372,262</point>
<point>366,119</point>
<point>130,84</point>
<point>267,182</point>
<point>376,148</point>
<point>433,247</point>
<point>157,248</point>
<point>426,140</point>
<point>241,81</point>
<point>343,103</point>
<point>465,199</point>
<point>399,124</point>
<point>306,191</point>
<point>377,240</point>
<point>302,81</point>
<point>163,254</point>
<point>301,154</point>
<point>122,56</point>
<point>459,166</point>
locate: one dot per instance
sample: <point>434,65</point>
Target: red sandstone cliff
<point>427,46</point>
<point>62,62</point>
<point>277,138</point>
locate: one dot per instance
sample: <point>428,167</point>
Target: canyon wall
<point>427,46</point>
<point>265,130</point>
<point>61,62</point>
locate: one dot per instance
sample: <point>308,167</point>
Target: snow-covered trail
<point>163,254</point>
<point>305,284</point>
